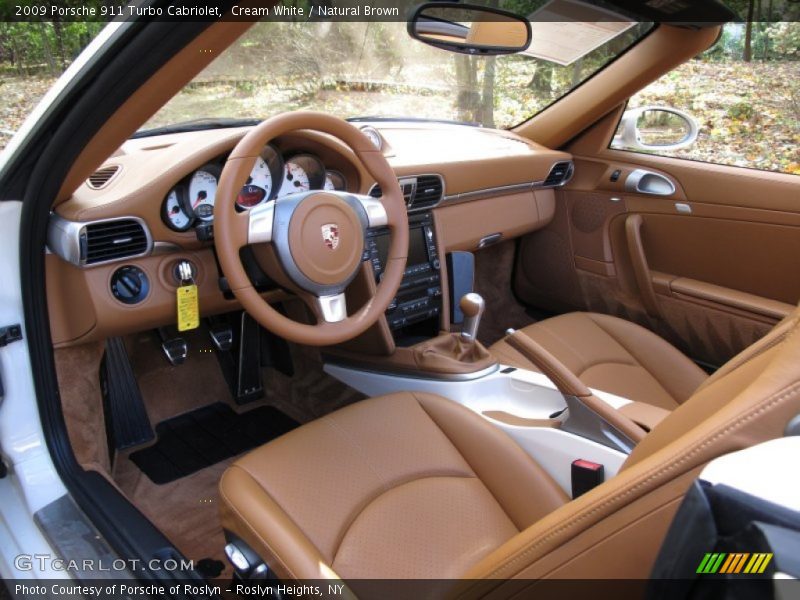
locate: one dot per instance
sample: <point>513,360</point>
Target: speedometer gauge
<point>258,187</point>
<point>173,213</point>
<point>203,192</point>
<point>262,183</point>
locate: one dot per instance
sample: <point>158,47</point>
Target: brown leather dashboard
<point>487,176</point>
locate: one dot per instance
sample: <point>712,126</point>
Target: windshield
<point>374,69</point>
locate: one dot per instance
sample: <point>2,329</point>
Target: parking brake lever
<point>589,416</point>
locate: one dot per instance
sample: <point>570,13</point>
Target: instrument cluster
<point>191,202</point>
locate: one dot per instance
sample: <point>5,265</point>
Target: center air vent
<point>98,242</point>
<point>102,177</point>
<point>420,192</point>
<point>559,174</point>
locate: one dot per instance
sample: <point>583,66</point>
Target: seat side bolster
<point>248,511</point>
<point>524,490</point>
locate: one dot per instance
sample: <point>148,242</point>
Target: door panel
<point>711,267</point>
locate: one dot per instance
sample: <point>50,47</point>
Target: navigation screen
<point>417,249</point>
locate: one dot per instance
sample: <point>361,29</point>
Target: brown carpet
<point>493,268</point>
<point>185,510</point>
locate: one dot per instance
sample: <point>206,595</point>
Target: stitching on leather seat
<point>633,356</point>
<point>385,486</point>
<point>610,362</point>
<point>546,329</point>
<point>464,458</point>
<point>345,435</point>
<point>654,474</point>
<point>370,501</point>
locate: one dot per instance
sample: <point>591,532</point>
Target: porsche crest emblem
<point>330,235</point>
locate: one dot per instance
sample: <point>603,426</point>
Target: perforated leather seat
<point>414,476</point>
<point>612,355</point>
<point>417,486</point>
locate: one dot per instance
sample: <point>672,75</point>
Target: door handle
<point>642,181</point>
<point>641,271</point>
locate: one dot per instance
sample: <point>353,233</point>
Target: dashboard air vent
<point>559,174</point>
<point>423,191</point>
<point>113,240</point>
<point>101,178</point>
<point>429,191</point>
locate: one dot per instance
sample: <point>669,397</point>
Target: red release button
<point>587,464</point>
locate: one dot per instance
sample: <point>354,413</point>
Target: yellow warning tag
<point>188,308</point>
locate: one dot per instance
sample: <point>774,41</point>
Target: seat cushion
<point>613,355</point>
<point>402,486</point>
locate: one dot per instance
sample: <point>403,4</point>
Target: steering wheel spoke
<point>260,222</point>
<point>376,211</point>
<point>332,308</point>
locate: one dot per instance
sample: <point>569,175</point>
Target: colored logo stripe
<point>734,563</point>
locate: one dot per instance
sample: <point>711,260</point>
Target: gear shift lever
<point>472,305</point>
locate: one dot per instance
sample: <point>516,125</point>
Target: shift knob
<point>472,305</point>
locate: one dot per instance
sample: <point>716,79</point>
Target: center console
<point>414,313</point>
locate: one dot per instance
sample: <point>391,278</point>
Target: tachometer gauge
<point>173,213</point>
<point>203,192</point>
<point>295,179</point>
<point>335,181</point>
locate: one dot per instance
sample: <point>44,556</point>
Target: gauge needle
<point>201,195</point>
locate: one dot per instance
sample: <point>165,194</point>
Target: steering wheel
<point>317,236</point>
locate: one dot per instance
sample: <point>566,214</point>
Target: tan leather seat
<point>612,355</point>
<point>416,486</point>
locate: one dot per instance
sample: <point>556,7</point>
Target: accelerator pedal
<point>127,423</point>
<point>240,358</point>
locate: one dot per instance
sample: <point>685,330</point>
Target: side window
<point>736,104</point>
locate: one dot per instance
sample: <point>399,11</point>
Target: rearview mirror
<point>478,30</point>
<point>655,128</point>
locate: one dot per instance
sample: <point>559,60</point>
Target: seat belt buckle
<point>586,475</point>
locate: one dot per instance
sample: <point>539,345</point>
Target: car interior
<point>312,348</point>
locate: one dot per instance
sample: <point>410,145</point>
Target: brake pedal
<point>175,348</point>
<point>222,336</point>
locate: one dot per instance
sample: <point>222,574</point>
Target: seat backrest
<point>616,529</point>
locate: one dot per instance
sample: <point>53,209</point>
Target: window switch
<point>615,175</point>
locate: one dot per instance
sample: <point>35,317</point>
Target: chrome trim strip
<point>161,248</point>
<point>488,193</point>
<point>329,360</point>
<point>503,190</point>
<point>64,239</point>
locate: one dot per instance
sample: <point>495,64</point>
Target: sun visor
<point>566,30</point>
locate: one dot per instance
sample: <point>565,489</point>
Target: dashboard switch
<point>130,285</point>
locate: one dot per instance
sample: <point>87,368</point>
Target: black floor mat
<point>206,436</point>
